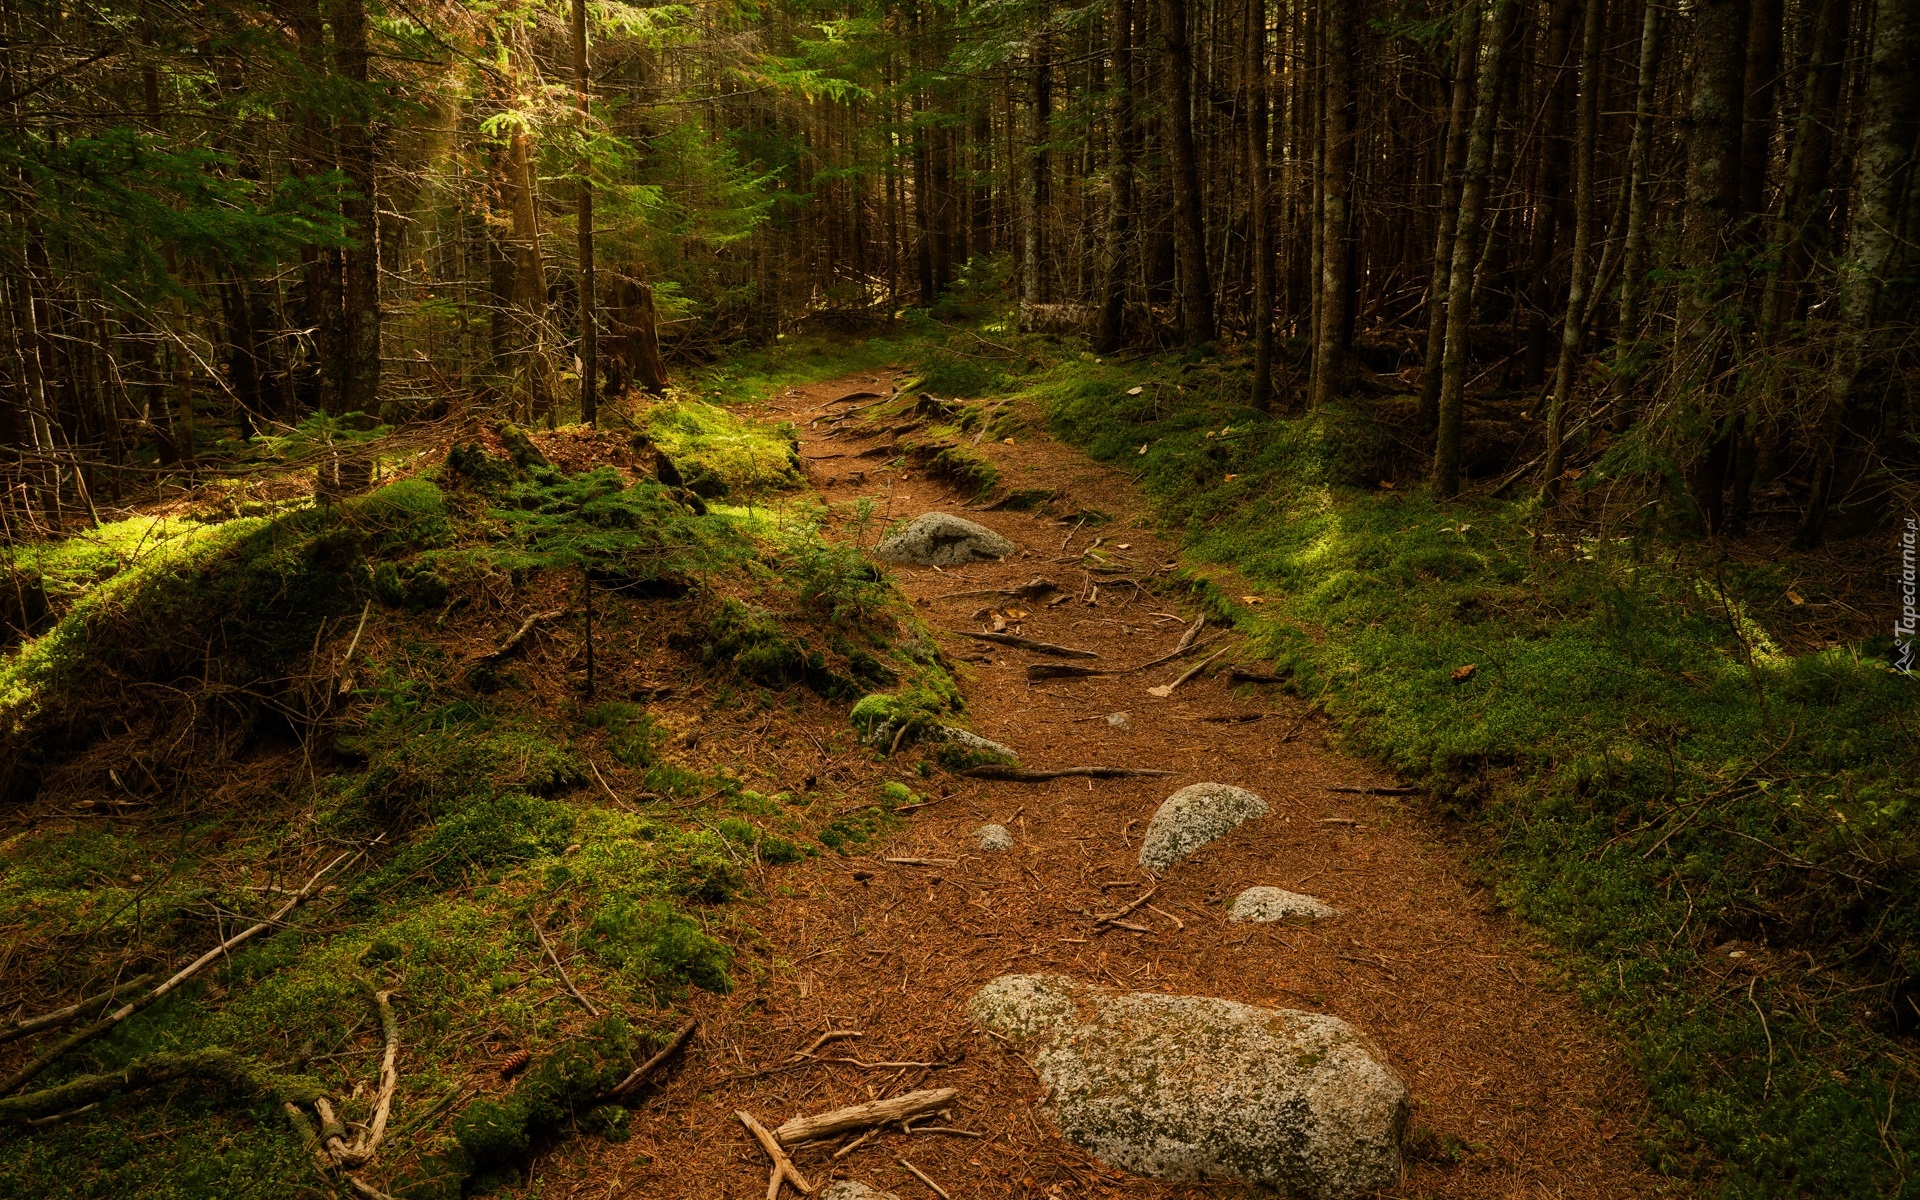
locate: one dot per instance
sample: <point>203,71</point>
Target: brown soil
<point>1454,995</point>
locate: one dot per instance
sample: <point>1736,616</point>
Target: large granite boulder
<point>1197,1088</point>
<point>940,539</point>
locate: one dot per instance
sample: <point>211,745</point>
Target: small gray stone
<point>993,837</point>
<point>1119,720</point>
<point>1192,817</point>
<point>849,1189</point>
<point>939,539</point>
<point>1193,1087</point>
<point>1276,904</point>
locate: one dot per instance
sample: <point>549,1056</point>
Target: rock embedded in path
<point>993,837</point>
<point>939,539</point>
<point>1194,816</point>
<point>974,748</point>
<point>1196,1088</point>
<point>852,1189</point>
<point>1276,904</point>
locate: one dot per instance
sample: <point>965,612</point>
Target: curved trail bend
<point>1449,991</point>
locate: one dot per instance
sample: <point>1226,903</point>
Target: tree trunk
<point>1625,367</point>
<point>1586,137</point>
<point>1466,43</point>
<point>529,273</point>
<point>1880,169</point>
<point>1330,339</point>
<point>1113,308</point>
<point>360,299</point>
<point>1551,198</point>
<point>589,307</point>
<point>1259,188</point>
<point>1189,223</point>
<point>1466,245</point>
<point>1033,270</point>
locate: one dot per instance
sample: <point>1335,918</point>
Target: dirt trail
<point>1418,961</point>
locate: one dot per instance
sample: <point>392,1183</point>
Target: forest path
<point>1449,991</point>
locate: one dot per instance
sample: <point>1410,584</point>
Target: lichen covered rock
<point>993,837</point>
<point>853,1189</point>
<point>1194,816</point>
<point>1261,904</point>
<point>939,539</point>
<point>1198,1088</point>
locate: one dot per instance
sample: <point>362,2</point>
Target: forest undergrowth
<point>468,709</point>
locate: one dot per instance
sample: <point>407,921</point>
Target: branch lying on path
<point>1023,775</point>
<point>1039,671</point>
<point>1376,791</point>
<point>1026,591</point>
<point>60,1016</point>
<point>219,1066</point>
<point>1020,643</point>
<point>81,1037</point>
<point>859,1116</point>
<point>923,1178</point>
<point>831,1035</point>
<point>783,1168</point>
<point>1167,689</point>
<point>513,641</point>
<point>1181,652</point>
<point>1136,902</point>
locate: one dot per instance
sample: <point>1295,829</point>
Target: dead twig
<point>922,1176</point>
<point>1167,689</point>
<point>1136,902</point>
<point>60,1016</point>
<point>783,1168</point>
<point>645,1070</point>
<point>1376,791</point>
<point>831,1035</point>
<point>513,640</point>
<point>564,977</point>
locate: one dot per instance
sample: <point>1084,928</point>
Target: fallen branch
<point>564,977</point>
<point>368,1143</point>
<point>831,1035</point>
<point>1023,775</point>
<point>1376,791</point>
<point>1167,689</point>
<point>1142,898</point>
<point>860,1116</point>
<point>1026,591</point>
<point>923,1179</point>
<point>783,1168</point>
<point>60,1016</point>
<point>645,1070</point>
<point>1242,675</point>
<point>1020,643</point>
<point>1182,652</point>
<point>1039,671</point>
<point>346,680</point>
<point>219,1066</point>
<point>81,1037</point>
<point>513,640</point>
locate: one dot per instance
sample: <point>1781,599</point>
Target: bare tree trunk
<point>360,301</point>
<point>1189,222</point>
<point>1881,168</point>
<point>1466,43</point>
<point>1633,265</point>
<point>1259,190</point>
<point>1466,245</point>
<point>1330,339</point>
<point>1113,308</point>
<point>529,272</point>
<point>1551,196</point>
<point>1033,288</point>
<point>583,202</point>
<point>1586,137</point>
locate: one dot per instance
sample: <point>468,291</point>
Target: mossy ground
<point>1662,765</point>
<point>185,735</point>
